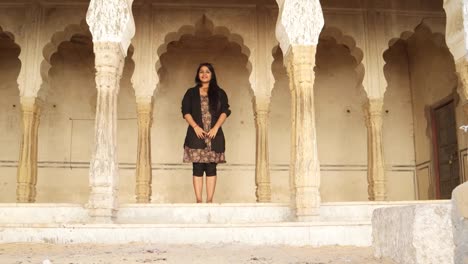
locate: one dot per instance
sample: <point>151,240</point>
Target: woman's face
<point>204,74</point>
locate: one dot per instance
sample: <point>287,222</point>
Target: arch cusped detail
<point>350,43</point>
<point>52,47</point>
<point>205,27</point>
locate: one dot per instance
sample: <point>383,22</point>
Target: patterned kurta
<point>205,155</point>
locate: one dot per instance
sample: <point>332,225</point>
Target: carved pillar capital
<point>262,106</point>
<point>111,21</point>
<point>299,23</point>
<point>373,110</point>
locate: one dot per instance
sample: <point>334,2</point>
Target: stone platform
<point>344,224</point>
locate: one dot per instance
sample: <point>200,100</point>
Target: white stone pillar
<point>27,167</point>
<point>111,24</point>
<point>301,62</point>
<point>262,164</point>
<point>375,161</point>
<point>298,28</point>
<point>143,164</point>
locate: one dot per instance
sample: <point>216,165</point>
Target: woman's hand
<point>200,132</point>
<point>212,133</point>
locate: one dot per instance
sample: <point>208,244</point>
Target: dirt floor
<point>147,253</point>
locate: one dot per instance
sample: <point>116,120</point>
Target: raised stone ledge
<point>415,234</point>
<point>460,223</point>
<point>50,213</point>
<point>291,233</point>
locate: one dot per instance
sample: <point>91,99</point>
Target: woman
<point>205,108</point>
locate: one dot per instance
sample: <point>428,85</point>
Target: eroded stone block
<point>416,234</point>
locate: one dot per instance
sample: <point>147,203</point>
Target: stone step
<point>192,213</point>
<point>286,233</point>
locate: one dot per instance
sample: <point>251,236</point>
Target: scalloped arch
<point>350,43</point>
<point>9,34</point>
<point>205,23</point>
<point>52,47</point>
<point>437,38</point>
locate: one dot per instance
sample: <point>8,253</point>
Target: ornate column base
<point>102,208</point>
<point>307,204</point>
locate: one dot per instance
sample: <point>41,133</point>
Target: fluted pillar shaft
<point>262,164</point>
<point>292,154</point>
<point>375,161</point>
<point>104,175</point>
<point>143,164</point>
<point>301,62</point>
<point>27,167</point>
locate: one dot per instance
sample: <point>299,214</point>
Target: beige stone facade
<point>354,97</point>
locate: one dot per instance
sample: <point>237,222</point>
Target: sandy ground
<point>146,253</point>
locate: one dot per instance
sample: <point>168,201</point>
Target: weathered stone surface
<point>417,234</point>
<point>104,170</point>
<point>306,172</point>
<point>460,223</point>
<point>299,23</point>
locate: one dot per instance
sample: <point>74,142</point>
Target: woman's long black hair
<point>213,88</point>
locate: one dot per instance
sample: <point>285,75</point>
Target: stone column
<point>375,161</point>
<point>103,175</point>
<point>297,30</point>
<point>301,62</point>
<point>143,164</point>
<point>112,26</point>
<point>262,164</point>
<point>27,167</point>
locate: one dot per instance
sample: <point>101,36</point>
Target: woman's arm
<point>198,130</point>
<point>213,131</point>
<point>225,112</point>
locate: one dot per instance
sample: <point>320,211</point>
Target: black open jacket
<point>191,105</point>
